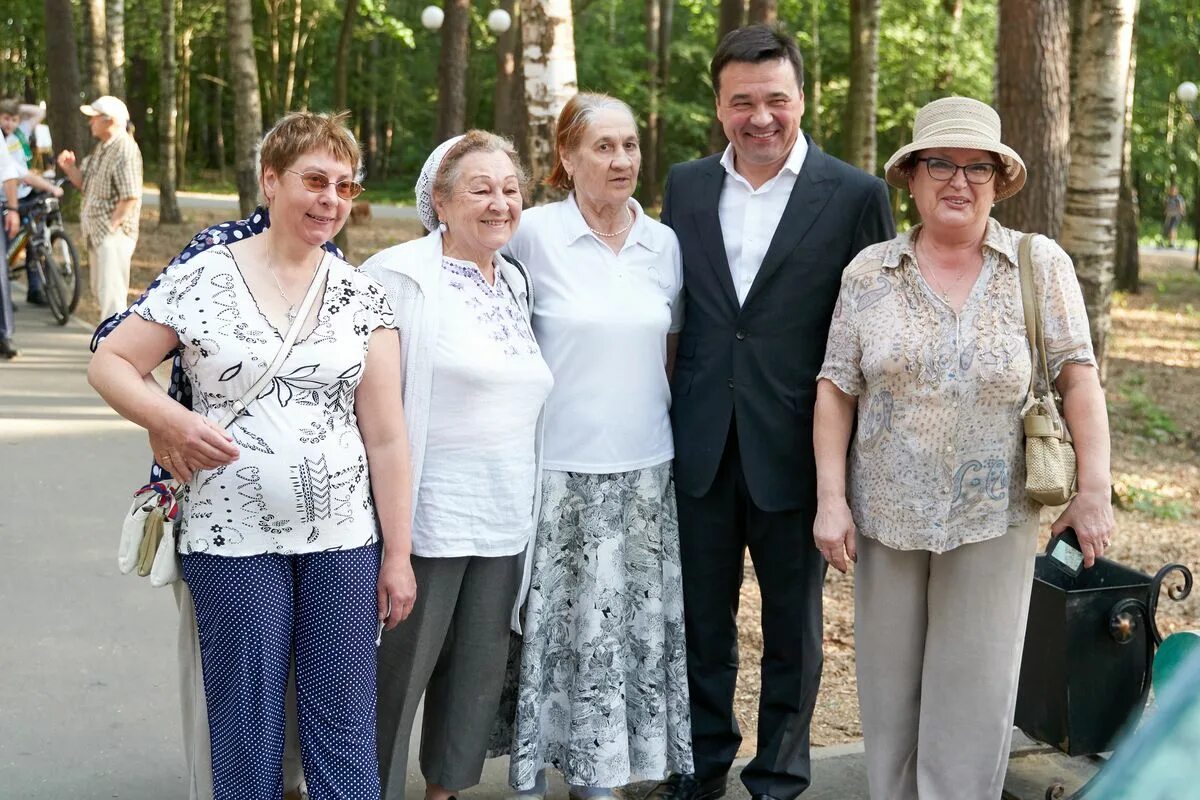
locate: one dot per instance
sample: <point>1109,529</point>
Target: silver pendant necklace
<point>292,311</point>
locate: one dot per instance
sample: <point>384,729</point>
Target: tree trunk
<point>730,17</point>
<point>1127,268</point>
<point>548,65</point>
<point>1033,98</point>
<point>95,23</point>
<point>1089,229</point>
<point>452,69</point>
<point>649,188</point>
<point>183,83</point>
<point>341,93</point>
<point>270,88</point>
<point>115,26</point>
<point>948,32</point>
<point>293,55</point>
<point>218,110</point>
<point>508,93</point>
<point>247,106</point>
<point>666,26</point>
<point>167,116</point>
<point>63,72</point>
<point>813,106</point>
<point>864,83</point>
<point>764,12</point>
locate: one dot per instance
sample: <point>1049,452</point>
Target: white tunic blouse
<point>300,483</point>
<point>601,319</point>
<point>489,384</point>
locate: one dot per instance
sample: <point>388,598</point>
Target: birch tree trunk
<point>452,69</point>
<point>247,106</point>
<point>167,116</point>
<point>548,64</point>
<point>115,52</point>
<point>864,83</point>
<point>1033,98</point>
<point>1089,229</point>
<point>97,47</point>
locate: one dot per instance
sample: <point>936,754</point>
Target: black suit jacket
<point>759,362</point>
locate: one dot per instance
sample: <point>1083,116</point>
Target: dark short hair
<point>754,44</point>
<point>10,107</point>
<point>907,166</point>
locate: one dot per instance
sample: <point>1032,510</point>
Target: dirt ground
<point>1153,383</point>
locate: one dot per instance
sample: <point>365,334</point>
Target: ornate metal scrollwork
<point>1176,593</point>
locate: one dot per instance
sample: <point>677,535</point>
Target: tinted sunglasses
<point>316,183</point>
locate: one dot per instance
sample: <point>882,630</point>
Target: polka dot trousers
<point>251,612</point>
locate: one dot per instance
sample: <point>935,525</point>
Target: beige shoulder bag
<point>1050,472</point>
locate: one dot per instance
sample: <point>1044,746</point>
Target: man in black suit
<point>765,229</point>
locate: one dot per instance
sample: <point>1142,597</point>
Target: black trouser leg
<point>712,544</point>
<point>790,574</point>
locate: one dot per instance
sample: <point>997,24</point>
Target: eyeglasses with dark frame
<point>316,183</point>
<point>942,170</point>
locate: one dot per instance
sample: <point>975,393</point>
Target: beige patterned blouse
<point>938,460</point>
<point>113,172</point>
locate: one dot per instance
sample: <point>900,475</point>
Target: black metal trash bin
<point>1089,649</point>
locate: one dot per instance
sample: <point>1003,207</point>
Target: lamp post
<point>1187,93</point>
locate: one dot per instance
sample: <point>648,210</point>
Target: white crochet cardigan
<point>412,276</point>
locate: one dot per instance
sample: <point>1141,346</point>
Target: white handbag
<point>148,531</point>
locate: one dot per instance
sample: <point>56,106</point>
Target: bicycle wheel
<point>54,288</point>
<point>67,258</point>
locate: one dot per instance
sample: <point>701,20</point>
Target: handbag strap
<point>238,406</point>
<point>1033,316</point>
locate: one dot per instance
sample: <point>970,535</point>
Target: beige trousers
<point>109,262</point>
<point>938,644</point>
<point>194,711</point>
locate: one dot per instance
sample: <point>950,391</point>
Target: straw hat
<point>964,123</point>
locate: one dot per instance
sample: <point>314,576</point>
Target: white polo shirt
<point>602,319</point>
<point>750,216</point>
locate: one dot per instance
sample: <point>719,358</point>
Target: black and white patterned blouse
<point>300,483</point>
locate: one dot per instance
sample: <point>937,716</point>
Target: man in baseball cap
<point>111,180</point>
<point>107,106</point>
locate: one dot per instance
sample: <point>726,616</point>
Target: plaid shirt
<point>113,172</point>
<point>180,389</point>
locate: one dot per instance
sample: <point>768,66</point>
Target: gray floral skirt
<point>602,695</point>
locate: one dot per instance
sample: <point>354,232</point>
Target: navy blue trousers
<point>251,613</point>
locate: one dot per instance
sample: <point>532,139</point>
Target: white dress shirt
<point>750,216</point>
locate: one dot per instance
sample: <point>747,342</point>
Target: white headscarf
<point>424,189</point>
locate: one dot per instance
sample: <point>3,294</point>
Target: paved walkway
<point>229,202</point>
<point>88,700</point>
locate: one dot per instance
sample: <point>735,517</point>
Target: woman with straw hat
<point>928,350</point>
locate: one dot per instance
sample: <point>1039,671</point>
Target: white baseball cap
<point>107,106</point>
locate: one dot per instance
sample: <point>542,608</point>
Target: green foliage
<point>1151,502</point>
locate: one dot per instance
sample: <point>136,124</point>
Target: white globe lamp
<point>499,21</point>
<point>432,17</point>
<point>1187,92</point>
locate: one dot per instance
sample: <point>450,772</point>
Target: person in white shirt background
<point>17,121</point>
<point>602,693</point>
<point>474,387</point>
<point>9,176</point>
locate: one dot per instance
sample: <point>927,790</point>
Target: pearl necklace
<point>614,234</point>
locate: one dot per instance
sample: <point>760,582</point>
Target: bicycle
<point>51,253</point>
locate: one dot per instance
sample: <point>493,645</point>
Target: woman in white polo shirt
<point>603,683</point>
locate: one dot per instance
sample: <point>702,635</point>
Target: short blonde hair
<point>301,132</point>
<point>474,141</point>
